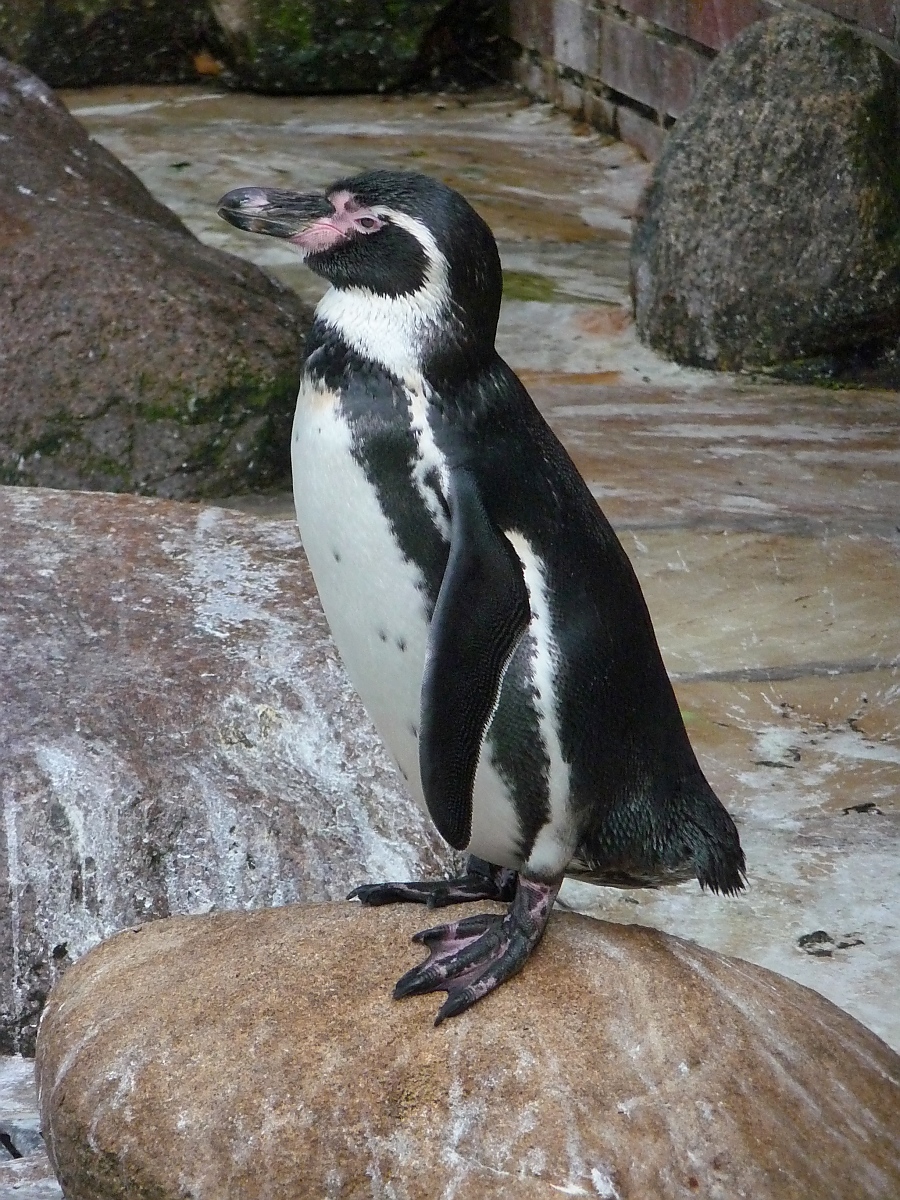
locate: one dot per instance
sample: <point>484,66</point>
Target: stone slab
<point>25,1170</point>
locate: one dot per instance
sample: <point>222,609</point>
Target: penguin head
<point>399,241</point>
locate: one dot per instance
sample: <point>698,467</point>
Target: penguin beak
<point>273,211</point>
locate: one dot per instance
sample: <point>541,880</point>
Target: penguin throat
<point>397,332</point>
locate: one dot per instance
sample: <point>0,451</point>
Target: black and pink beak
<point>273,211</point>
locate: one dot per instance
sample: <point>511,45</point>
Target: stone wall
<point>631,66</point>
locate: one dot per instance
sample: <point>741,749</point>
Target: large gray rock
<point>771,228</point>
<point>132,358</point>
<point>261,1056</point>
<point>176,733</point>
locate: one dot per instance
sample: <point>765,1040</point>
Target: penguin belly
<point>376,602</point>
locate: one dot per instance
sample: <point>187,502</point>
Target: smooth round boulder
<point>261,1055</point>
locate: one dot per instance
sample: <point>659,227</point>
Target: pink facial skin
<point>348,218</point>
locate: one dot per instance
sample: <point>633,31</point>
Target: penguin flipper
<point>481,612</point>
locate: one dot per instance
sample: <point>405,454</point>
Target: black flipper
<point>482,610</point>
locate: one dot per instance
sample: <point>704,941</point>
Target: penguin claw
<point>469,958</point>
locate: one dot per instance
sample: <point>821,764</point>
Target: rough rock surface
<point>266,45</point>
<point>344,46</point>
<point>622,1063</point>
<point>770,232</point>
<point>78,43</point>
<point>132,357</point>
<point>176,733</point>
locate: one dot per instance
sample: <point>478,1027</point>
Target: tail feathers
<point>680,833</point>
<point>716,847</point>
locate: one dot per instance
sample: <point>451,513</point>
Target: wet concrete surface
<point>763,520</point>
<point>25,1171</point>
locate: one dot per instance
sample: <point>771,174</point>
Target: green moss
<point>349,47</point>
<point>16,21</point>
<point>528,285</point>
<point>252,411</point>
<point>288,19</point>
<point>63,438</point>
<point>236,407</point>
<point>88,10</point>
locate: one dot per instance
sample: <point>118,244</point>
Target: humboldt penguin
<point>480,600</point>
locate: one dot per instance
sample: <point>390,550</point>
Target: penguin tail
<point>723,873</point>
<point>718,857</point>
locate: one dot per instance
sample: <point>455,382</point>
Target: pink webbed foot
<point>469,958</point>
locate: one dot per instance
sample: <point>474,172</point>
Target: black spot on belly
<point>382,635</point>
<point>414,730</point>
<point>337,555</point>
<point>401,645</point>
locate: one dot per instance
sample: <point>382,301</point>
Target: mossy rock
<point>344,46</point>
<point>136,358</point>
<point>291,46</point>
<point>79,43</point>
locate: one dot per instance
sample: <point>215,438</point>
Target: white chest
<point>375,599</point>
<point>372,596</point>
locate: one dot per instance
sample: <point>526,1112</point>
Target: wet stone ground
<point>762,519</point>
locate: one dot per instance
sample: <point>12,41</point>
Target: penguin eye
<point>367,222</point>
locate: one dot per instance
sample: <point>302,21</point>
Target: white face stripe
<point>390,330</point>
<point>554,844</point>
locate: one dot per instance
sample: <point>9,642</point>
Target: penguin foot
<point>482,881</point>
<point>469,958</point>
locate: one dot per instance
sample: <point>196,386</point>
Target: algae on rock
<point>292,46</point>
<point>135,358</point>
<point>307,46</point>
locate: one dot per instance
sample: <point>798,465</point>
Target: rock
<point>176,733</point>
<point>621,1063</point>
<point>92,42</point>
<point>770,231</point>
<point>134,358</point>
<point>346,46</point>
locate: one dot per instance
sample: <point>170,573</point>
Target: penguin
<point>482,605</point>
